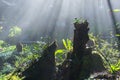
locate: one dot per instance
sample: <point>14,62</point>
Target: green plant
<point>78,21</point>
<point>67,44</point>
<point>31,52</point>
<point>10,77</point>
<point>15,31</point>
<point>6,50</point>
<point>61,53</point>
<point>116,10</point>
<point>1,42</point>
<point>117,35</point>
<point>115,67</point>
<point>108,52</point>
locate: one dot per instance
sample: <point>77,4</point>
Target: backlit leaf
<point>116,10</point>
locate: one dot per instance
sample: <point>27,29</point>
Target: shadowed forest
<point>59,40</point>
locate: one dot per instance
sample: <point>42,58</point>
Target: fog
<point>54,18</point>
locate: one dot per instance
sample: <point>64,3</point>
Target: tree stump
<point>79,63</point>
<point>72,68</point>
<point>79,55</point>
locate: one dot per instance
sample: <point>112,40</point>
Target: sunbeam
<point>59,39</point>
<point>51,17</point>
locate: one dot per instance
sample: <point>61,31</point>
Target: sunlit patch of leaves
<point>115,67</point>
<point>61,54</point>
<point>15,31</point>
<point>116,10</point>
<point>22,60</point>
<point>108,51</point>
<point>78,20</point>
<point>10,77</point>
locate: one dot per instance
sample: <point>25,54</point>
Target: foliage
<point>9,77</point>
<point>30,53</point>
<point>61,53</point>
<point>22,60</point>
<point>78,21</point>
<point>108,51</point>
<point>6,49</point>
<point>116,10</point>
<point>115,67</point>
<point>67,44</point>
<point>7,68</point>
<point>1,42</point>
<point>118,35</point>
<point>15,31</point>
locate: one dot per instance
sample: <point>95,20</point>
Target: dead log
<point>44,68</point>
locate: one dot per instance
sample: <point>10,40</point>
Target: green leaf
<point>118,35</point>
<point>116,10</point>
<point>64,43</point>
<point>14,31</point>
<point>69,44</point>
<point>1,42</point>
<point>61,51</point>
